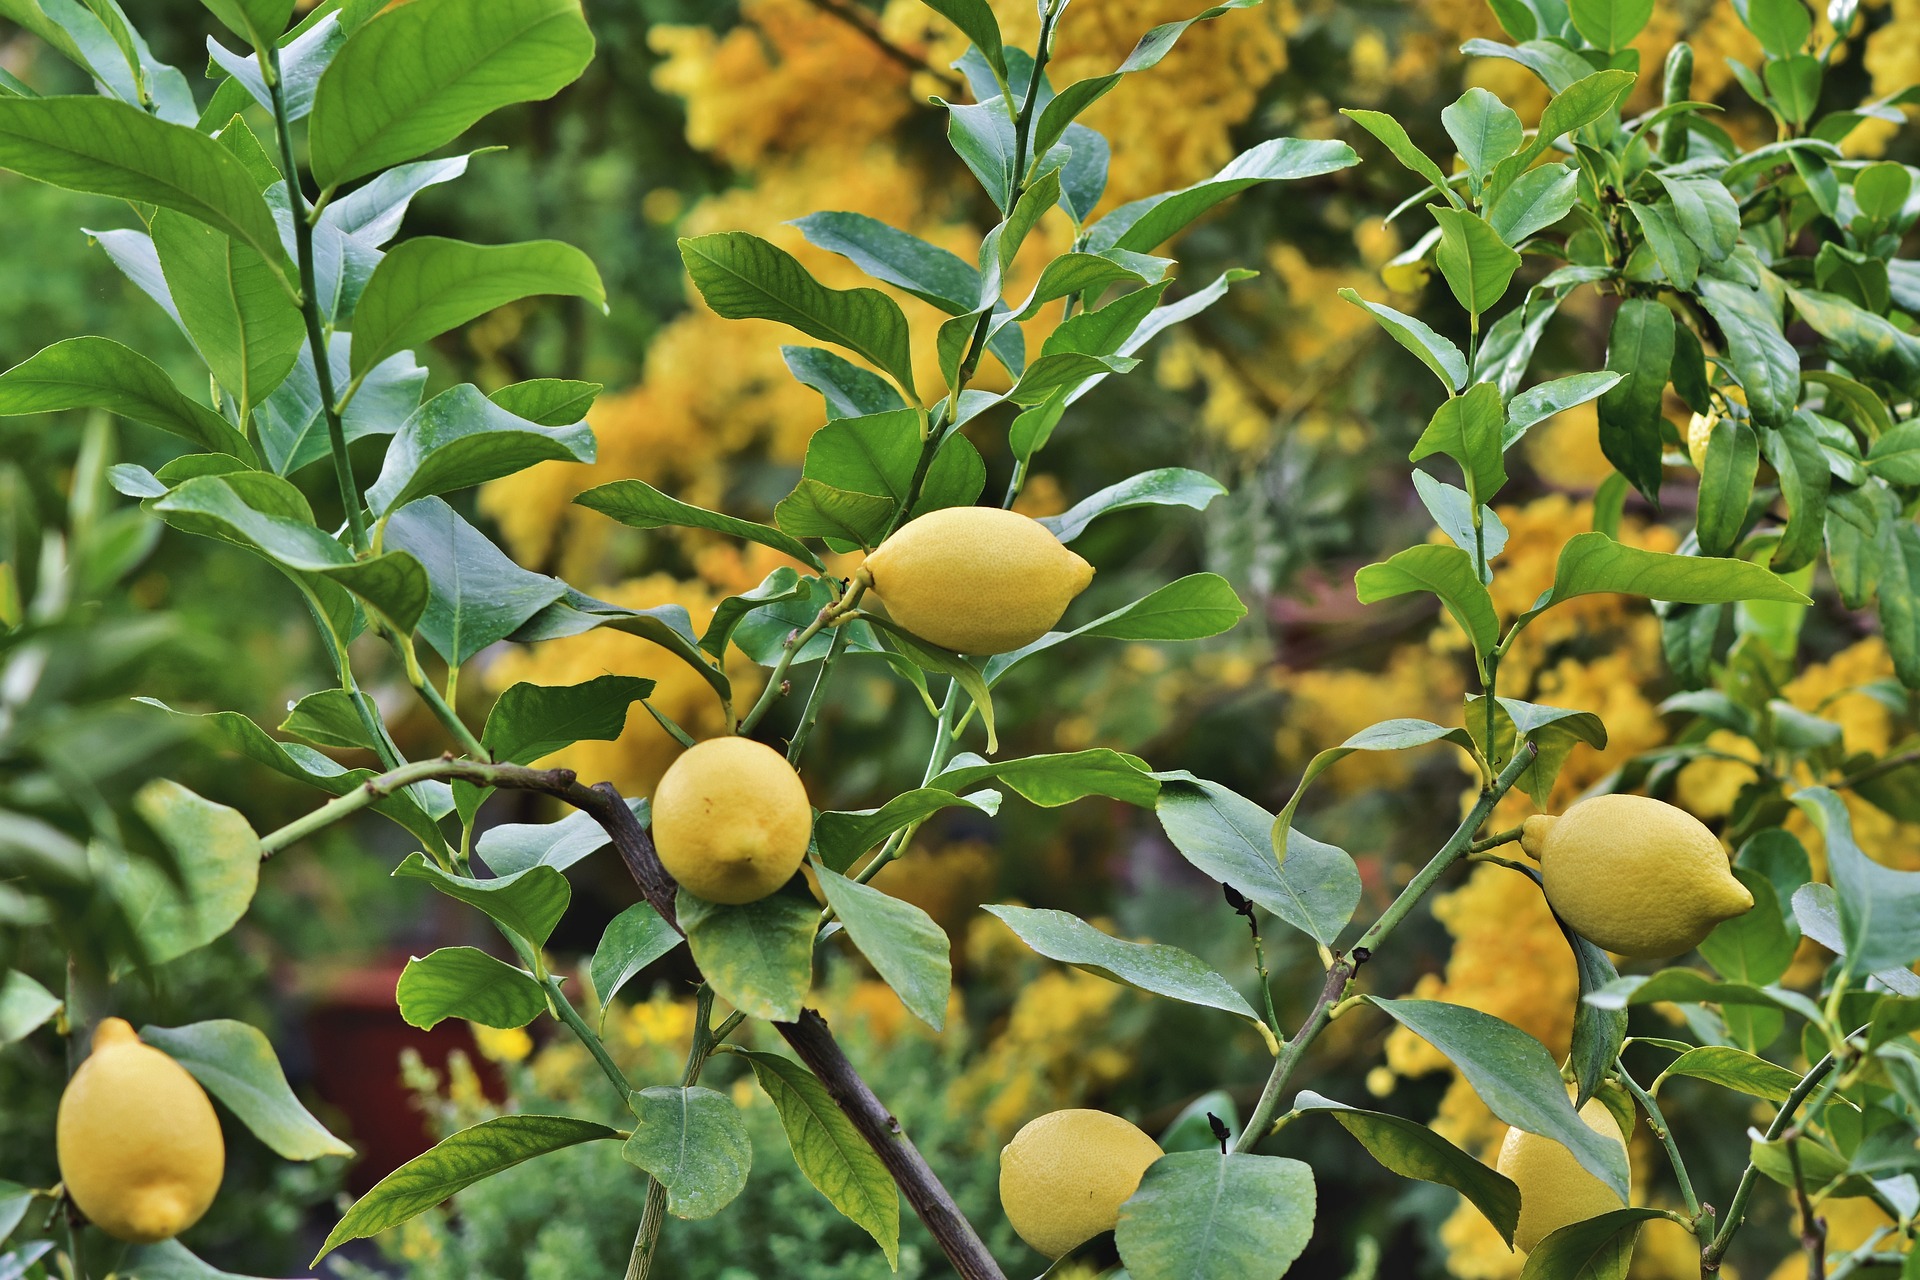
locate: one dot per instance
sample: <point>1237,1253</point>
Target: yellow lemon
<point>1555,1191</point>
<point>1634,875</point>
<point>139,1146</point>
<point>1065,1175</point>
<point>976,579</point>
<point>731,820</point>
<point>1699,431</point>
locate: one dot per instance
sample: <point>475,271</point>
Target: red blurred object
<point>358,1035</point>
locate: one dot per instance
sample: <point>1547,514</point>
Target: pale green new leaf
<point>1477,263</point>
<point>216,857</point>
<point>529,902</point>
<point>633,940</point>
<point>1447,572</point>
<point>237,1065</point>
<point>467,983</point>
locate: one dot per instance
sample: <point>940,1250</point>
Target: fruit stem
<point>1347,964</point>
<point>1658,1123</point>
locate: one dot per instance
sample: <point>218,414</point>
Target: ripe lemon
<point>1699,431</point>
<point>1555,1191</point>
<point>731,820</point>
<point>139,1146</point>
<point>1634,875</point>
<point>1065,1175</point>
<point>976,579</point>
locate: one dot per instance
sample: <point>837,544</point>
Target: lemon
<point>731,820</point>
<point>1555,1191</point>
<point>1699,431</point>
<point>1634,875</point>
<point>1065,1175</point>
<point>139,1146</point>
<point>976,579</point>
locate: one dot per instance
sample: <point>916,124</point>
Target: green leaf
<point>1469,429</point>
<point>639,504</point>
<point>1477,263</point>
<point>1610,24</point>
<point>1449,573</point>
<point>232,304</point>
<point>976,21</point>
<point>1598,1034</point>
<point>1593,562</point>
<point>1200,1214</point>
<point>1485,129</point>
<point>693,1141</point>
<point>467,983</point>
<point>1897,550</point>
<point>1514,1076</point>
<point>1537,199</point>
<point>418,76</point>
<point>1801,468</point>
<point>530,721</point>
<point>1594,1249</point>
<point>1394,135</point>
<point>1150,966</point>
<point>429,285</point>
<point>170,1260</point>
<point>1165,487</point>
<point>895,257</point>
<point>1879,907</point>
<point>529,902</point>
<point>1189,608</point>
<point>850,391</point>
<point>1640,350</point>
<point>258,22</point>
<point>743,277</point>
<point>841,837</point>
<point>293,429</point>
<point>818,510</point>
<point>1707,212</point>
<point>25,1006</point>
<point>902,943</point>
<point>216,859</point>
<point>943,662</point>
<point>1678,256</point>
<point>393,586</point>
<point>1537,404</point>
<point>1726,485</point>
<point>1765,362</point>
<point>1054,780</point>
<point>1144,225</point>
<point>514,846</point>
<point>1436,352</point>
<point>879,454</point>
<point>1412,1150</point>
<point>1754,947</point>
<point>1554,732</point>
<point>238,1066</point>
<point>329,719</point>
<point>758,956</point>
<point>98,373</point>
<point>1871,345</point>
<point>1783,26</point>
<point>109,148</point>
<point>549,402</point>
<point>481,1151</point>
<point>633,940</point>
<point>1735,1069</point>
<point>1230,838</point>
<point>1690,986</point>
<point>476,594</point>
<point>1583,99</point>
<point>1557,65</point>
<point>666,625</point>
<point>830,1151</point>
<point>1387,735</point>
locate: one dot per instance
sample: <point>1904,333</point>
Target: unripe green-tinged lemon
<point>139,1146</point>
<point>1555,1191</point>
<point>731,820</point>
<point>1065,1175</point>
<point>1634,875</point>
<point>976,579</point>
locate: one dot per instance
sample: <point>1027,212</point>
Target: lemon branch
<point>1700,1221</point>
<point>777,686</point>
<point>1344,966</point>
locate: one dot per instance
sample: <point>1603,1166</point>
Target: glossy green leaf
<point>841,837</point>
<point>633,940</point>
<point>1053,780</point>
<point>1165,487</point>
<point>1514,1076</point>
<point>231,303</point>
<point>898,258</point>
<point>694,1142</point>
<point>1610,24</point>
<point>1150,966</point>
<point>816,509</point>
<point>976,21</point>
<point>1477,264</point>
<point>1735,1069</point>
<point>1767,364</point>
<point>1801,469</point>
<point>639,504</point>
<point>1388,735</point>
<point>1593,1249</point>
<point>1871,345</point>
<point>1754,947</point>
<point>170,1260</point>
<point>1640,350</point>
<point>1726,485</point>
<point>237,1065</point>
<point>216,859</point>
<point>529,903</point>
<point>1447,572</point>
<point>419,75</point>
<point>1189,608</point>
<point>1879,907</point>
<point>1537,199</point>
<point>25,1006</point>
<point>293,429</point>
<point>830,1151</point>
<point>758,956</point>
<point>1598,1034</point>
<point>429,285</point>
<point>514,846</point>
<point>905,947</point>
<point>467,983</point>
<point>1897,596</point>
<point>1413,1150</point>
<point>1783,26</point>
<point>1537,404</point>
<point>1436,352</point>
<point>460,1161</point>
<point>1485,129</point>
<point>743,277</point>
<point>329,718</point>
<point>477,595</point>
<point>1469,429</point>
<point>529,721</point>
<point>943,662</point>
<point>109,148</point>
<point>849,390</point>
<point>98,373</point>
<point>1580,98</point>
<point>1452,511</point>
<point>1593,562</point>
<point>1144,225</point>
<point>1678,256</point>
<point>1200,1214</point>
<point>1230,838</point>
<point>258,22</point>
<point>1394,135</point>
